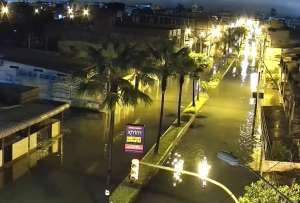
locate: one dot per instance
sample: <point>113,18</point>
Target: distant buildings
<point>293,23</point>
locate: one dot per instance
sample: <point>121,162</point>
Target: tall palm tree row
<point>113,61</point>
<point>183,65</point>
<point>163,52</point>
<point>171,60</point>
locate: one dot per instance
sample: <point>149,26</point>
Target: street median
<point>127,191</point>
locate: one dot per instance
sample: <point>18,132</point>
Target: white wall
<point>49,81</point>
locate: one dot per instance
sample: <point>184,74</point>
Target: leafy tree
<point>260,192</point>
<point>112,62</point>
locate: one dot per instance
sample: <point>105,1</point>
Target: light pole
<point>254,85</point>
<point>230,159</point>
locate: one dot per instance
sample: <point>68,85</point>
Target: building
<point>54,74</point>
<point>279,37</point>
<point>293,23</point>
<point>290,87</point>
<point>26,124</point>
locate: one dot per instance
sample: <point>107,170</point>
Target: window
<point>38,70</point>
<point>14,67</point>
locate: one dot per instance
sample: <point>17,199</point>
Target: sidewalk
<point>126,191</point>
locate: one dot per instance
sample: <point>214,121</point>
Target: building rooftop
<point>44,59</point>
<point>18,117</point>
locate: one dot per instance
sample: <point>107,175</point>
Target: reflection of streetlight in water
<point>244,66</point>
<point>203,170</point>
<point>177,163</point>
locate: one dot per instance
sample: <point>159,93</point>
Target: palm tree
<point>113,61</point>
<point>183,65</point>
<point>201,63</point>
<point>142,65</point>
<point>239,33</point>
<point>163,52</point>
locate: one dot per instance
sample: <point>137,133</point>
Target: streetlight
<point>86,12</point>
<point>188,31</point>
<point>216,31</point>
<point>232,160</point>
<point>4,10</point>
<point>70,10</point>
<point>36,11</point>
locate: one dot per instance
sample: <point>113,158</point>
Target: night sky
<point>282,6</point>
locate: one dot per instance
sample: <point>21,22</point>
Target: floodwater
<point>221,125</point>
<point>77,174</point>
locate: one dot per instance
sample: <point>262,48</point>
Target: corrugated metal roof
<point>20,117</point>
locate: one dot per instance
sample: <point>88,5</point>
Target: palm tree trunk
<point>162,103</point>
<point>181,81</point>
<point>136,82</point>
<point>109,154</point>
<point>193,92</point>
<point>198,89</point>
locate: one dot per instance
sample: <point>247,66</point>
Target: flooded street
<point>218,127</point>
<point>78,173</point>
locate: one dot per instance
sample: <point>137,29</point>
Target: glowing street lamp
<point>36,11</point>
<point>70,10</point>
<point>203,170</point>
<point>216,32</point>
<point>86,12</point>
<point>188,31</point>
<point>4,10</point>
